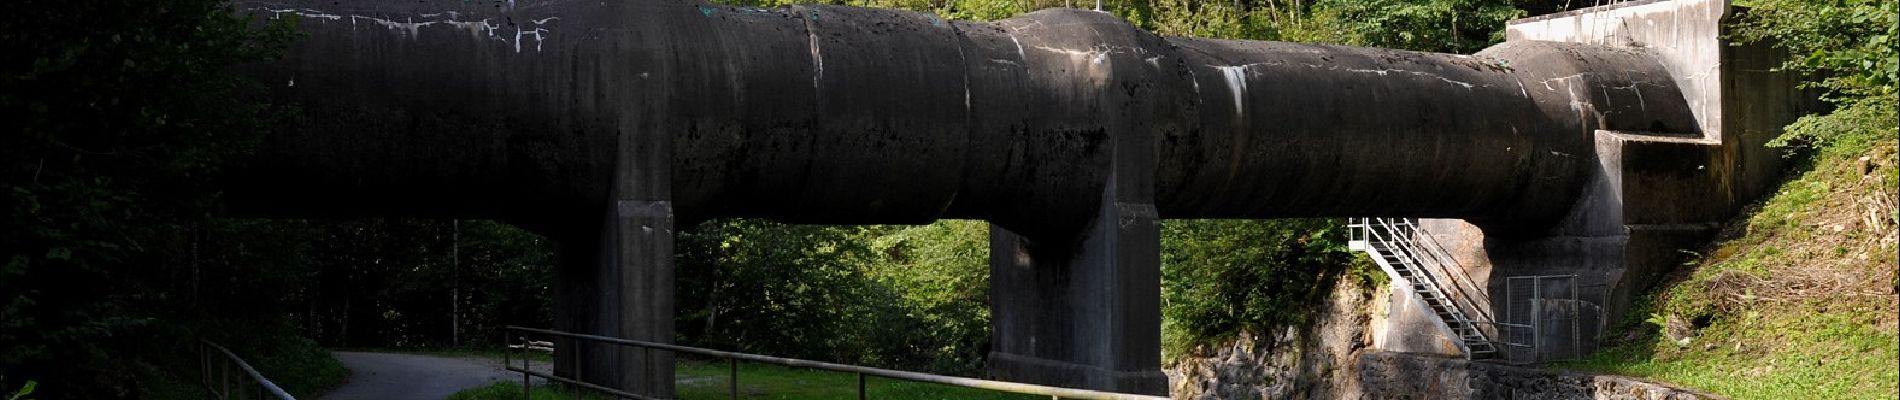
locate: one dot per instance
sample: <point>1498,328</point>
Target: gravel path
<point>396,376</point>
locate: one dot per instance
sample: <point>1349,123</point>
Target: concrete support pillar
<point>1083,309</point>
<point>619,284</point>
<point>618,280</point>
<point>1084,315</point>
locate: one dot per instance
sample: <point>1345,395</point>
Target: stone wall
<point>1412,376</point>
<point>1313,361</point>
<point>1331,357</point>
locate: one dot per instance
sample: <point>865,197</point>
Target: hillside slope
<point>1796,299</point>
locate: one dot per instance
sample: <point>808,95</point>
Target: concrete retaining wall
<point>1410,376</point>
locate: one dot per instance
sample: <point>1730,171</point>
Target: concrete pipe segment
<point>824,114</point>
<point>605,124</point>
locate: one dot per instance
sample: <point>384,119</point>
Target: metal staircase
<point>1410,256</point>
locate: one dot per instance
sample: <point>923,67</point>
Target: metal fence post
<point>578,375</point>
<point>527,392</point>
<point>860,386</point>
<point>1537,318</point>
<point>732,377</point>
<point>1576,311</point>
<point>204,369</point>
<point>224,379</point>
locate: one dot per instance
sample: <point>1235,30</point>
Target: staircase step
<point>1398,254</point>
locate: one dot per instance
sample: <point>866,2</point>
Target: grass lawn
<point>701,380</point>
<point>1807,351</point>
<point>707,380</point>
<point>1798,302</point>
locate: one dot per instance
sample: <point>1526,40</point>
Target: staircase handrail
<point>1387,233</point>
<point>1472,294</point>
<point>1440,273</point>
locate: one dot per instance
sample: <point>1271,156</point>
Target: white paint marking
<point>817,61</point>
<point>966,96</point>
<point>1095,56</point>
<point>1196,79</point>
<point>1236,76</point>
<point>817,57</point>
<point>1384,72</point>
<point>413,29</point>
<point>1019,48</point>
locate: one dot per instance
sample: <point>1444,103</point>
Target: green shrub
<point>1224,277</point>
<point>118,120</point>
<point>838,293</point>
<point>25,389</point>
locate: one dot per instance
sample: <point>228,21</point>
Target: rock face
<point>1331,358</point>
<point>1314,361</point>
<point>1411,376</point>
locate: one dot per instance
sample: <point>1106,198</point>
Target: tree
<point>118,119</point>
<point>1847,49</point>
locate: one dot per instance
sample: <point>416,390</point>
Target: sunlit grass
<point>1797,306</point>
<point>709,380</point>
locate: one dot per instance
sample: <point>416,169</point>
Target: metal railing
<point>1434,268</point>
<point>1512,334</point>
<point>249,385</point>
<point>1443,265</point>
<point>1437,262</point>
<point>733,359</point>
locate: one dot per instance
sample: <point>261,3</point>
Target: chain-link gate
<point>1547,318</point>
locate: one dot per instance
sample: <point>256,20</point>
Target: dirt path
<point>397,376</point>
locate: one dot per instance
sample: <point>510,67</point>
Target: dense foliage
<point>1848,50</point>
<point>413,283</point>
<point>117,118</point>
<point>1847,46</point>
<point>1223,277</point>
<point>898,296</point>
<point>112,264</point>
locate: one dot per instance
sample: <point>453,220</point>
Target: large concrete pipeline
<point>558,115</point>
<point>847,115</point>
